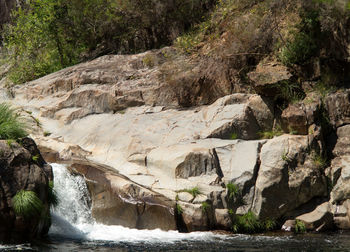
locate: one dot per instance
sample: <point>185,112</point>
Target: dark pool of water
<point>276,242</point>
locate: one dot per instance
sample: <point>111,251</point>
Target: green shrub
<point>27,204</point>
<point>247,223</point>
<point>233,190</point>
<point>301,48</point>
<point>11,126</point>
<point>299,227</point>
<point>250,223</point>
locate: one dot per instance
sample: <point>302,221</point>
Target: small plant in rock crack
<point>285,157</point>
<point>35,158</point>
<point>319,161</point>
<point>46,133</point>
<point>178,209</point>
<point>299,227</point>
<point>232,190</point>
<point>194,191</point>
<point>205,206</point>
<point>233,136</point>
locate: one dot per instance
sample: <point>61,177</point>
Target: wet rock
<point>288,225</point>
<point>20,171</point>
<point>118,201</point>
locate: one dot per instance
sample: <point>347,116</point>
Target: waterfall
<point>72,217</point>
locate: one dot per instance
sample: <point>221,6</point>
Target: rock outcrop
<point>20,171</point>
<point>175,168</point>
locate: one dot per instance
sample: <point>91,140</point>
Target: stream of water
<point>74,229</point>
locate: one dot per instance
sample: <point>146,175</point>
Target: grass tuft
<point>179,209</point>
<point>250,223</point>
<point>194,191</point>
<point>205,206</point>
<point>233,190</point>
<point>11,126</point>
<point>299,227</point>
<point>27,204</point>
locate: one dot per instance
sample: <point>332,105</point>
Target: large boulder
<point>118,201</point>
<point>338,106</point>
<point>320,219</point>
<point>267,77</point>
<point>19,170</point>
<point>288,176</point>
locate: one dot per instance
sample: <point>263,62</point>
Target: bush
<point>299,50</point>
<point>250,223</point>
<point>299,227</point>
<point>11,127</point>
<point>233,190</point>
<point>27,204</point>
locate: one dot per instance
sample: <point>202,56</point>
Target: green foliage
<point>35,158</point>
<point>301,48</point>
<point>299,227</point>
<point>205,206</point>
<point>64,32</point>
<point>304,43</point>
<point>285,157</point>
<point>148,61</point>
<point>233,136</point>
<point>249,223</point>
<point>290,92</point>
<point>52,197</point>
<point>178,209</point>
<point>269,134</point>
<point>11,127</point>
<point>46,133</point>
<point>233,190</point>
<point>194,191</point>
<point>27,204</point>
<point>319,161</point>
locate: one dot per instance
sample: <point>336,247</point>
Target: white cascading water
<point>72,217</point>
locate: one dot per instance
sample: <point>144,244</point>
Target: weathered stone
<point>320,219</point>
<point>223,219</point>
<point>288,225</point>
<point>338,107</point>
<point>286,169</point>
<point>295,120</point>
<point>341,178</point>
<point>194,217</point>
<point>118,201</point>
<point>267,76</point>
<point>19,171</point>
